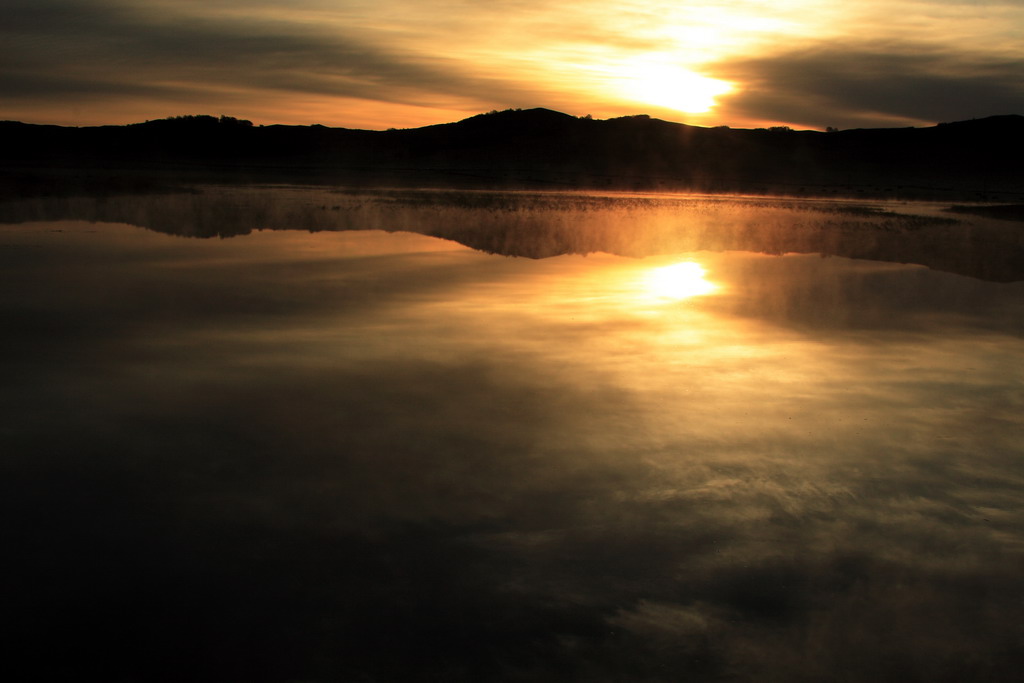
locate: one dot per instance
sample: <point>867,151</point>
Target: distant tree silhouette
<point>201,119</point>
<point>232,121</point>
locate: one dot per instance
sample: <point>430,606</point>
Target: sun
<point>679,281</point>
<point>658,82</point>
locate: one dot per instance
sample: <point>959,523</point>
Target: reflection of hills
<point>538,225</point>
<point>543,148</point>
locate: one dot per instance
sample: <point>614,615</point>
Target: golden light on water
<point>679,281</point>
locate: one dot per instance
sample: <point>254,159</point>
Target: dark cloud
<point>103,48</point>
<point>851,85</point>
<point>43,87</point>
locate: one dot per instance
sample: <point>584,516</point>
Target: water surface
<point>384,456</point>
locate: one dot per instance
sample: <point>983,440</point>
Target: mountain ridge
<point>532,148</point>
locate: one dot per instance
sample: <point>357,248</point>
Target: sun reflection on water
<point>679,281</point>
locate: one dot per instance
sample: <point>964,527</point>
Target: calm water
<point>385,456</point>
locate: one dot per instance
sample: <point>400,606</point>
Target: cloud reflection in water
<point>366,455</point>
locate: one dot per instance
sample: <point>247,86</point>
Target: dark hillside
<point>979,159</point>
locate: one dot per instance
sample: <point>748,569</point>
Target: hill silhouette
<point>535,148</point>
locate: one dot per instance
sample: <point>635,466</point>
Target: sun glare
<point>666,85</point>
<point>679,281</point>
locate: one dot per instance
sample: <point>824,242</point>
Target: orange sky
<point>406,63</point>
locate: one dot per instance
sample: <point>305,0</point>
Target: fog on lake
<point>701,439</point>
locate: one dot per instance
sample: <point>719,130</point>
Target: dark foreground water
<point>371,456</point>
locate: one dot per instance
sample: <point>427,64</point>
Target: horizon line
<point>223,117</point>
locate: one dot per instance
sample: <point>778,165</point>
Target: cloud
<point>62,49</point>
<point>55,87</point>
<point>402,63</point>
<point>863,84</point>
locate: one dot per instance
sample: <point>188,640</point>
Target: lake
<point>302,434</point>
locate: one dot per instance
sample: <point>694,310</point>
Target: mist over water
<point>384,456</point>
<point>968,240</point>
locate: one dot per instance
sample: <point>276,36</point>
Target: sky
<point>407,63</point>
